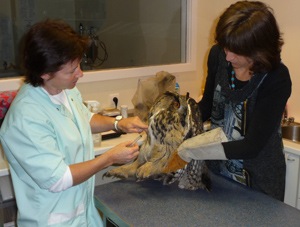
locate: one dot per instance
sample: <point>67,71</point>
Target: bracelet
<point>116,125</point>
<point>117,119</point>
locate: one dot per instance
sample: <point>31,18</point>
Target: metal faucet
<point>287,120</point>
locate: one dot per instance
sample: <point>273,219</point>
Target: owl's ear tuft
<point>187,95</point>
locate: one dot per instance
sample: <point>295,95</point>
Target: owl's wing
<point>195,174</point>
<point>195,118</point>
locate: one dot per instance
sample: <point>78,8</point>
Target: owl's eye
<point>176,105</point>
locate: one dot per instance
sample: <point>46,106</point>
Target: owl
<point>172,119</point>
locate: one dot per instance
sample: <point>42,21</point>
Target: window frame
<point>123,73</point>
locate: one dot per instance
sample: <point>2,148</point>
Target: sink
<point>291,132</point>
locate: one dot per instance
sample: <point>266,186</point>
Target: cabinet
<point>292,182</point>
<point>6,191</point>
<point>292,179</point>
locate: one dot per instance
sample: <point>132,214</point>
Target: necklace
<point>232,80</point>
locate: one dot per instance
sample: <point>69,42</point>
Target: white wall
<point>288,17</point>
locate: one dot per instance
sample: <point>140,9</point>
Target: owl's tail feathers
<point>174,163</point>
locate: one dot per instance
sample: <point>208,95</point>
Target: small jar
<point>124,111</point>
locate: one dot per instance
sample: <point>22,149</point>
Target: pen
<point>136,139</point>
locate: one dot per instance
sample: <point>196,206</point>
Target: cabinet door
<point>298,196</point>
<point>292,178</point>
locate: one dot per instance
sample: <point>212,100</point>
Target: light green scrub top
<point>40,139</point>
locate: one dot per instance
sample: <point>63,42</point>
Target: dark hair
<point>250,29</point>
<point>47,46</point>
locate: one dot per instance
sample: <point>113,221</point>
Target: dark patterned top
<point>251,117</point>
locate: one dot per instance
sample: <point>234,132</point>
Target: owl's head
<point>172,106</point>
<point>175,102</point>
<point>171,101</point>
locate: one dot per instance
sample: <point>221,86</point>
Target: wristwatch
<point>117,119</point>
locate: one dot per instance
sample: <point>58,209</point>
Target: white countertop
<point>3,168</point>
<point>289,146</point>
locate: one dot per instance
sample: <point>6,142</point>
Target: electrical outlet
<point>111,102</point>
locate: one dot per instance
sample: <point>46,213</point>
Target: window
<point>129,37</point>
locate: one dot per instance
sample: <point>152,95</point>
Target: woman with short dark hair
<point>47,133</point>
<point>245,95</point>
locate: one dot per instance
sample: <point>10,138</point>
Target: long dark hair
<point>47,46</point>
<point>250,29</point>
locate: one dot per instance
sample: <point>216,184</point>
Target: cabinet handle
<point>290,158</point>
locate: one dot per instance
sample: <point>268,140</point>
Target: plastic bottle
<point>97,137</point>
<point>124,111</point>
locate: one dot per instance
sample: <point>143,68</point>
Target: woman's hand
<point>132,124</point>
<point>120,154</point>
<point>100,123</point>
<point>123,153</point>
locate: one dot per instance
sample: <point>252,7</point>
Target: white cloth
<point>63,183</point>
<point>206,146</point>
<point>60,98</point>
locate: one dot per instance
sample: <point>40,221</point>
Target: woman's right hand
<point>123,153</point>
<point>120,154</point>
